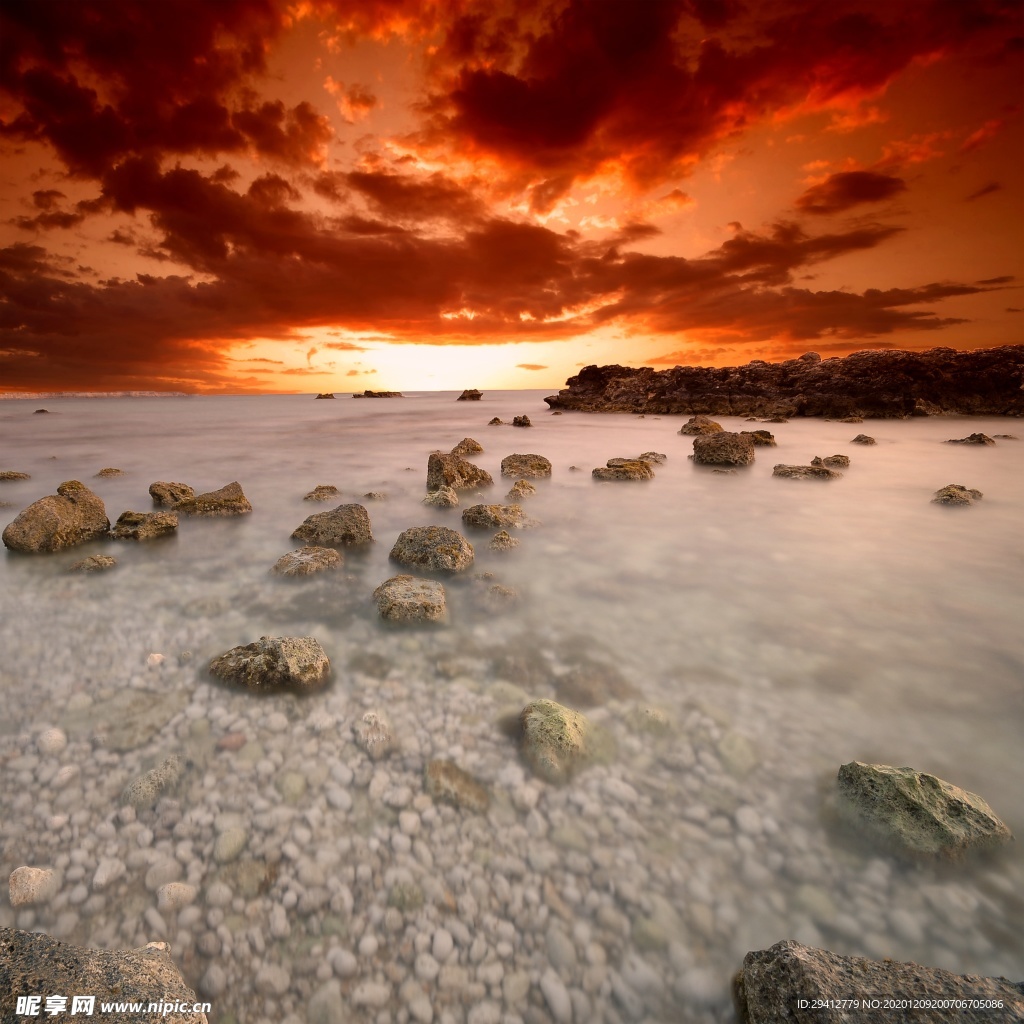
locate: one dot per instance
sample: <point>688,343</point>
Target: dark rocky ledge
<point>875,383</point>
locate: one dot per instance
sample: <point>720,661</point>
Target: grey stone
<point>971,439</point>
<point>148,788</point>
<point>624,469</point>
<point>832,461</point>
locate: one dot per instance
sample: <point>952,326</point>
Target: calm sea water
<point>819,622</point>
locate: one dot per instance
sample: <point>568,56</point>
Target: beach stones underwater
<point>723,448</point>
<point>408,599</point>
<point>72,516</point>
<point>956,494</point>
<point>275,663</point>
<point>344,526</point>
<point>433,547</point>
<point>228,500</point>
<point>448,783</point>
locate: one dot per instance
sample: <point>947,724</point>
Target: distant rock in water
<point>164,493</point>
<point>467,446</point>
<point>863,439</point>
<point>110,471</point>
<point>761,438</point>
<point>470,395</point>
<point>700,425</point>
<point>723,449</point>
<point>227,501</point>
<point>873,383</point>
<point>529,465</point>
<point>39,412</point>
<point>327,394</point>
<point>496,421</point>
<point>380,394</point>
<point>73,516</point>
<point>275,663</point>
<point>971,439</point>
<point>956,494</point>
<point>11,474</point>
<point>806,472</point>
<point>521,421</point>
<point>144,525</point>
<point>322,492</point>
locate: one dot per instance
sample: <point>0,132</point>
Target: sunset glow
<point>332,195</point>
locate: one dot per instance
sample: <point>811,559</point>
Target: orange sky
<point>332,195</point>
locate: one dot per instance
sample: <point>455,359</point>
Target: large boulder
<point>455,472</point>
<point>916,813</point>
<point>493,517</point>
<point>72,516</point>
<point>344,526</point>
<point>554,739</point>
<point>433,547</point>
<point>956,494</point>
<point>226,501</point>
<point>531,466</point>
<point>796,984</point>
<point>408,599</point>
<point>700,424</point>
<point>275,663</point>
<point>164,492</point>
<point>723,449</point>
<point>33,964</point>
<point>144,525</point>
<point>307,560</point>
<point>624,469</point>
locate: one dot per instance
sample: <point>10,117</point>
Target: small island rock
<point>863,439</point>
<point>110,471</point>
<point>73,516</point>
<point>470,395</point>
<point>971,439</point>
<point>956,494</point>
<point>274,663</point>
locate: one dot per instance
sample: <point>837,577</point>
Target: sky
<point>333,195</point>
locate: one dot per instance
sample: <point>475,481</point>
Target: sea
<point>739,636</point>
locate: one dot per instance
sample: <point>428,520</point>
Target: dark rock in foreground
<point>470,395</point>
<point>164,493</point>
<point>723,449</point>
<point>875,383</point>
<point>956,494</point>
<point>32,963</point>
<point>796,984</point>
<point>72,516</point>
<point>226,501</point>
<point>275,663</point>
<point>144,525</point>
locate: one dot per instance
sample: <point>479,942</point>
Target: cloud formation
<point>840,192</point>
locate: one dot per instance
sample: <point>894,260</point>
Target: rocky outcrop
<point>467,446</point>
<point>408,599</point>
<point>806,472</point>
<point>443,497</point>
<point>832,461</point>
<point>872,383</point>
<point>165,493</point>
<point>723,449</point>
<point>307,560</point>
<point>448,783</point>
<point>863,439</point>
<point>624,469</point>
<point>796,984</point>
<point>380,394</point>
<point>73,516</point>
<point>554,739</point>
<point>94,563</point>
<point>956,494</point>
<point>144,525</point>
<point>322,492</point>
<point>455,472</point>
<point>915,813</point>
<point>344,526</point>
<point>433,547</point>
<point>32,963</point>
<point>700,425</point>
<point>761,438</point>
<point>972,439</point>
<point>470,395</point>
<point>327,394</point>
<point>227,501</point>
<point>492,517</point>
<point>529,466</point>
<point>275,663</point>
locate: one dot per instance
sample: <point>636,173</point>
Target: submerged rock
<point>832,461</point>
<point>624,469</point>
<point>530,466</point>
<point>344,526</point>
<point>455,472</point>
<point>863,439</point>
<point>373,734</point>
<point>971,439</point>
<point>916,813</point>
<point>144,525</point>
<point>164,493</point>
<point>554,739</point>
<point>94,563</point>
<point>379,394</point>
<point>700,424</point>
<point>447,782</point>
<point>148,788</point>
<point>795,984</point>
<point>519,490</point>
<point>275,663</point>
<point>443,497</point>
<point>226,501</point>
<point>322,492</point>
<point>723,449</point>
<point>433,547</point>
<point>654,458</point>
<point>493,517</point>
<point>470,395</point>
<point>308,560</point>
<point>592,683</point>
<point>408,599</point>
<point>806,472</point>
<point>73,516</point>
<point>110,471</point>
<point>467,446</point>
<point>956,494</point>
<point>503,541</point>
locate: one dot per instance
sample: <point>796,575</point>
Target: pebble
<point>442,944</point>
<point>371,993</point>
<point>343,963</point>
<point>556,995</point>
<point>51,741</point>
<point>229,845</point>
<point>109,870</point>
<point>174,896</point>
<point>273,980</point>
<point>28,885</point>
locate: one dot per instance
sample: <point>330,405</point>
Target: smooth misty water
<point>806,623</point>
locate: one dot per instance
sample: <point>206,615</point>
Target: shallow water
<point>785,627</point>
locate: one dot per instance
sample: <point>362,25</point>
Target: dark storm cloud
<point>840,192</point>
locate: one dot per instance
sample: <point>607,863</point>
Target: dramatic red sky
<point>330,195</point>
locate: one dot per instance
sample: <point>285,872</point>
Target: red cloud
<point>842,191</point>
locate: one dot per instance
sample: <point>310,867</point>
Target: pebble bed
<point>298,879</point>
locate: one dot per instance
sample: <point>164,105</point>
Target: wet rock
<point>308,560</point>
<point>110,471</point>
<point>529,466</point>
<point>503,541</point>
<point>761,438</point>
<point>467,446</point>
<point>492,517</point>
<point>832,462</point>
<point>322,492</point>
<point>373,734</point>
<point>521,421</point>
<point>73,516</point>
<point>11,474</point>
<point>28,886</point>
<point>148,788</point>
<point>275,662</point>
<point>470,395</point>
<point>94,563</point>
<point>519,490</point>
<point>971,439</point>
<point>35,963</point>
<point>166,493</point>
<point>344,526</point>
<point>433,547</point>
<point>956,494</point>
<point>723,449</point>
<point>700,424</point>
<point>447,782</point>
<point>227,501</point>
<point>916,813</point>
<point>455,472</point>
<point>443,497</point>
<point>144,525</point>
<point>863,439</point>
<point>624,469</point>
<point>806,472</point>
<point>408,599</point>
<point>795,984</point>
<point>554,739</point>
<point>1006,437</point>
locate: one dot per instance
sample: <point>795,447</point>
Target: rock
<point>796,984</point>
<point>492,517</point>
<point>723,449</point>
<point>230,844</point>
<point>373,734</point>
<point>531,466</point>
<point>51,741</point>
<point>650,720</point>
<point>519,490</point>
<point>521,421</point>
<point>863,439</point>
<point>94,563</point>
<point>496,422</point>
<point>327,394</point>
<point>467,446</point>
<point>470,395</point>
<point>73,516</point>
<point>308,560</point>
<point>761,438</point>
<point>443,497</point>
<point>148,788</point>
<point>851,419</point>
<point>408,599</point>
<point>1006,437</point>
<point>34,963</point>
<point>344,526</point>
<point>655,458</point>
<point>831,462</point>
<point>624,469</point>
<point>700,424</point>
<point>39,411</point>
<point>956,494</point>
<point>805,472</point>
<point>554,739</point>
<point>503,541</point>
<point>164,493</point>
<point>28,886</point>
<point>971,439</point>
<point>916,813</point>
<point>275,662</point>
<point>144,525</point>
<point>455,472</point>
<point>380,394</point>
<point>227,501</point>
<point>175,895</point>
<point>433,547</point>
<point>375,496</point>
<point>128,719</point>
<point>322,492</point>
<point>556,995</point>
<point>110,471</point>
<point>447,782</point>
<point>10,474</point>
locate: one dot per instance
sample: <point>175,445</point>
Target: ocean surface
<point>783,627</point>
